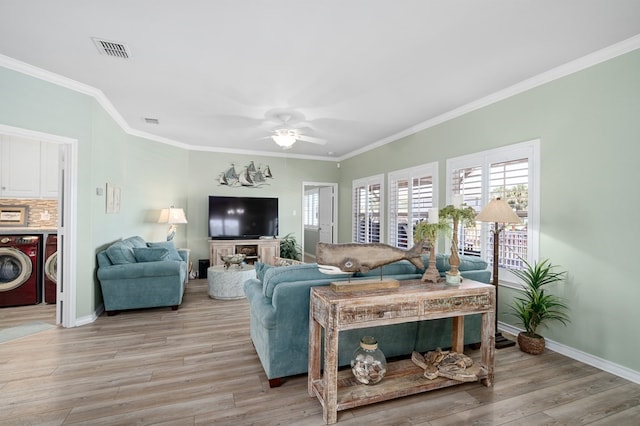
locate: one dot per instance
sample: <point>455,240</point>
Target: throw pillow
<point>170,246</point>
<point>150,254</point>
<point>120,253</point>
<point>281,261</point>
<point>261,269</point>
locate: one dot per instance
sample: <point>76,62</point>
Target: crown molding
<point>556,73</point>
<point>564,70</point>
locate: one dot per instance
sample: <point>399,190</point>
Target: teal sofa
<point>134,274</point>
<point>279,316</point>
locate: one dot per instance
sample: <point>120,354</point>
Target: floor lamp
<point>498,212</point>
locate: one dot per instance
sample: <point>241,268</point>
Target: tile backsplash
<point>38,210</point>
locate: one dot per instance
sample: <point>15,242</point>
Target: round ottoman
<point>227,283</point>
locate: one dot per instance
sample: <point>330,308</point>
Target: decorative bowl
<point>232,259</point>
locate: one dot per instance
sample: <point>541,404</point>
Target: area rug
<point>23,330</point>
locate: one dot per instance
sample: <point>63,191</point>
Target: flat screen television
<point>235,218</point>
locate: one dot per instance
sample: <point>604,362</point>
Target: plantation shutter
<point>509,180</point>
<point>411,195</point>
<point>311,200</point>
<point>468,183</point>
<point>367,213</point>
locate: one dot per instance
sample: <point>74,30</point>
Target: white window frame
<point>367,182</point>
<point>531,151</point>
<point>429,169</point>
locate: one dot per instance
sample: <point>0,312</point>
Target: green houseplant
<point>535,308</point>
<point>289,248</point>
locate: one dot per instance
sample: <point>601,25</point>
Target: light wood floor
<point>196,366</point>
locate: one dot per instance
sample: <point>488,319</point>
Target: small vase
<point>531,344</point>
<point>368,363</point>
<point>452,280</point>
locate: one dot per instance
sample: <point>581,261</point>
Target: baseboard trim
<point>594,361</point>
<point>90,318</point>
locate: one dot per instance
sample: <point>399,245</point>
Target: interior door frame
<point>333,185</point>
<point>67,208</point>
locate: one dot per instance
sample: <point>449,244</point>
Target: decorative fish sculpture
<point>355,257</point>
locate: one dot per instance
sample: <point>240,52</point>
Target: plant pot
<point>531,343</point>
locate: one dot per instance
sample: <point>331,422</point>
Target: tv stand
<point>263,250</point>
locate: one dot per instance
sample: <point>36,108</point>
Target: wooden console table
<point>412,301</point>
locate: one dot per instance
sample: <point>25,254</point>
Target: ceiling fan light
<point>284,140</point>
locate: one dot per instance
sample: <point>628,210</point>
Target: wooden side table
<point>228,283</point>
<point>412,301</point>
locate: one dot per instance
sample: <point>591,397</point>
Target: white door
<point>325,214</point>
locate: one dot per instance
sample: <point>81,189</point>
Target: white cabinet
<point>29,168</point>
<point>49,169</point>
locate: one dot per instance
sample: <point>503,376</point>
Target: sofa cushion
<point>171,248</point>
<point>150,254</point>
<point>400,267</point>
<point>305,272</point>
<point>121,252</point>
<point>467,263</point>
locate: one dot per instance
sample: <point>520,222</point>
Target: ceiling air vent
<point>112,48</point>
<point>151,120</point>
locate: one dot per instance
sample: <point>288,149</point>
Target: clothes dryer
<point>51,269</point>
<point>19,258</point>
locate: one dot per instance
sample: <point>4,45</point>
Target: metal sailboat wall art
<point>250,176</point>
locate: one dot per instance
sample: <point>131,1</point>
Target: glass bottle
<point>368,363</point>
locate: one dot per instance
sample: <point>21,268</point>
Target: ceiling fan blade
<point>311,139</point>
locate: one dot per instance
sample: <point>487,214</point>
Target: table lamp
<point>172,216</point>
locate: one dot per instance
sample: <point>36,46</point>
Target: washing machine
<point>19,261</point>
<point>51,268</point>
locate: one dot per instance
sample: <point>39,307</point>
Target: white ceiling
<point>216,73</point>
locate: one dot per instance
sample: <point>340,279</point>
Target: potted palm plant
<point>536,308</point>
<point>465,216</point>
<point>429,232</point>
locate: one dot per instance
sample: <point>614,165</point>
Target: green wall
<point>105,154</point>
<point>288,175</point>
<point>589,132</point>
<point>590,144</point>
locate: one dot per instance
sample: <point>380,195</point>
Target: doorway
<point>67,192</point>
<point>319,216</point>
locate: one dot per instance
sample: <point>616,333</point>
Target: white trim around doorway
<point>67,206</point>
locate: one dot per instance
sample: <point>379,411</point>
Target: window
<point>311,210</point>
<point>510,173</point>
<point>367,209</point>
<point>411,194</point>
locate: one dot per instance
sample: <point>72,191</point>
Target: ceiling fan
<point>286,136</point>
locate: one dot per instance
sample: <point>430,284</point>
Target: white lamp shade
<point>172,215</point>
<point>498,211</point>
